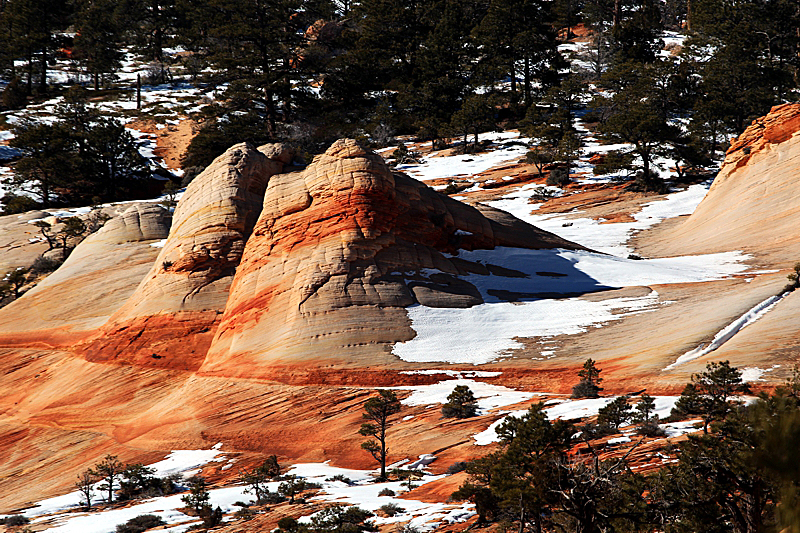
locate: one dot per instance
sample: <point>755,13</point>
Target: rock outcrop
<point>97,278</point>
<point>753,204</point>
<point>180,298</point>
<point>339,252</point>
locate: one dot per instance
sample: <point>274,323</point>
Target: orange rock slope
<point>753,204</point>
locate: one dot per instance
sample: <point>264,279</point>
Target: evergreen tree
<point>589,385</point>
<point>48,159</point>
<point>378,409</point>
<point>461,403</point>
<point>616,413</point>
<point>198,497</point>
<point>644,409</point>
<point>99,38</point>
<point>109,470</point>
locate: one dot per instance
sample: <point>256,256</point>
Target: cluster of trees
<point>81,157</point>
<point>739,475</point>
<point>123,481</point>
<point>313,70</point>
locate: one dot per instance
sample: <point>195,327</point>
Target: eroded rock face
<point>753,203</point>
<point>97,278</point>
<point>339,251</point>
<point>180,298</point>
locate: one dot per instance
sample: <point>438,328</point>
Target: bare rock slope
<point>753,204</point>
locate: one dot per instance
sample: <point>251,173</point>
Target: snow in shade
<point>728,332</point>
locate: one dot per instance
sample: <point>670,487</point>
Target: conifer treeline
<point>314,70</point>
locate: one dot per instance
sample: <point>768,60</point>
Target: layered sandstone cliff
<point>98,277</point>
<point>175,308</point>
<point>338,253</point>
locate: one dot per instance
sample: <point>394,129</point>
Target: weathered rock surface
<point>179,299</point>
<point>339,252</point>
<point>97,278</point>
<point>753,204</point>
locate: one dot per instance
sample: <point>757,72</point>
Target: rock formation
<point>179,299</point>
<point>753,204</point>
<point>339,251</point>
<point>97,278</point>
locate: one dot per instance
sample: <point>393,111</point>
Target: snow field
<point>488,396</point>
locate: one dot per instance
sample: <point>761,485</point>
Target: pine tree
<point>97,45</point>
<point>109,470</point>
<point>378,409</point>
<point>616,413</point>
<point>589,385</point>
<point>461,403</point>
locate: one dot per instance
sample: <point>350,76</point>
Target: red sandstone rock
<point>330,266</point>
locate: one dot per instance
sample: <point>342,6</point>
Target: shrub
<point>457,467</point>
<point>558,177</point>
<point>391,509</point>
<point>14,520</point>
<point>17,203</point>
<point>140,523</point>
<point>340,477</point>
<point>44,265</point>
<point>245,514</point>
<point>386,492</point>
<point>651,429</point>
<point>287,523</point>
<point>460,403</point>
<point>584,389</point>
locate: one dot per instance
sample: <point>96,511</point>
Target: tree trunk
<point>617,13</point>
<point>527,87</point>
<point>43,79</point>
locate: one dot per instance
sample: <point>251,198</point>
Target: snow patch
<point>727,333</point>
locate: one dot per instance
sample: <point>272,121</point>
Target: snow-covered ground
<point>569,409</point>
<point>63,514</point>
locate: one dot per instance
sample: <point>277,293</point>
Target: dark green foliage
<point>17,203</point>
<point>293,486</point>
<point>455,468</point>
<point>712,394</point>
<point>109,470</point>
<point>461,403</point>
<point>198,496</point>
<point>98,41</point>
<point>391,509</point>
<point>211,517</point>
<point>138,481</point>
<point>644,409</point>
<point>341,519</point>
<point>14,520</point>
<point>288,523</point>
<point>15,280</point>
<point>79,157</point>
<point>589,385</point>
<point>616,413</point>
<point>378,409</point>
<point>140,523</point>
<point>220,134</point>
